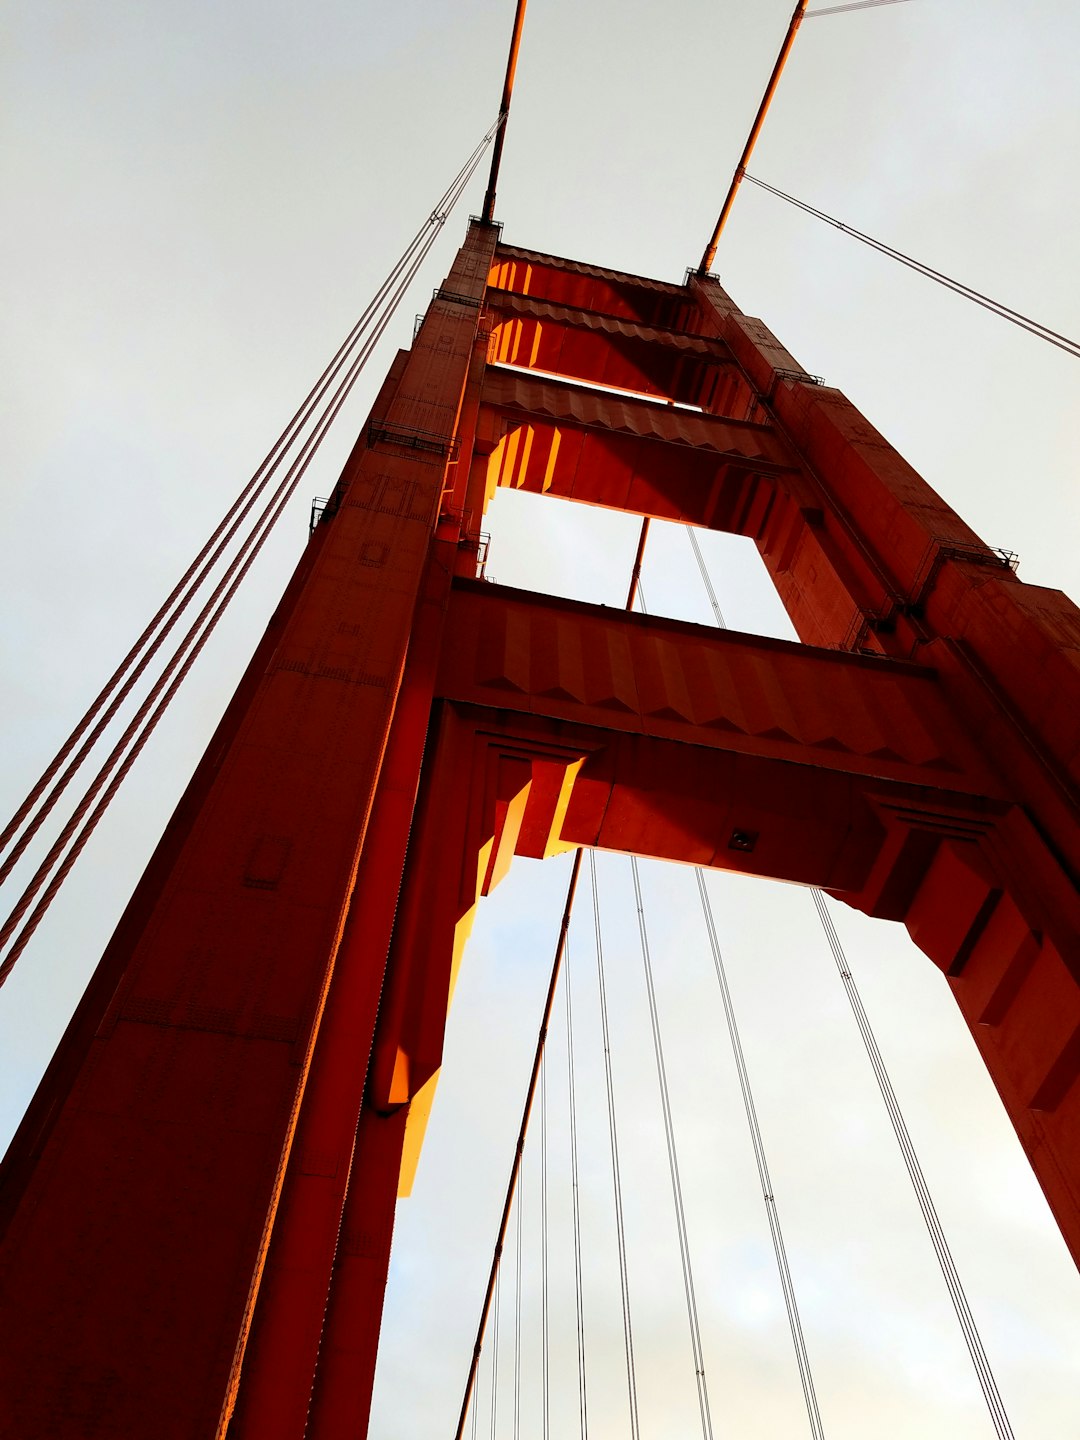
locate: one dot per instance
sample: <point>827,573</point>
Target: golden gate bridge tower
<point>198,1207</point>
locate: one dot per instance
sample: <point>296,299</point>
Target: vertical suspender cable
<point>495,1354</point>
<point>575,1187</point>
<point>768,1195</point>
<point>973,1339</point>
<point>787,1285</point>
<point>673,1166</point>
<point>616,1166</point>
<point>515,1168</point>
<point>545,1327</point>
<point>517,1316</point>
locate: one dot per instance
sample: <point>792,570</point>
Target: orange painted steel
<point>199,1205</point>
<point>488,212</point>
<point>755,130</point>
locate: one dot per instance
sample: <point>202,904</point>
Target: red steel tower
<point>198,1206</point>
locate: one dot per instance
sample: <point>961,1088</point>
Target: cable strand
<point>191,646</point>
<point>696,1346</point>
<point>616,1165</point>
<point>942,1250</point>
<point>189,583</point>
<point>1024,322</point>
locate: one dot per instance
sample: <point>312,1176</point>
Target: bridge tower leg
<point>198,1207</point>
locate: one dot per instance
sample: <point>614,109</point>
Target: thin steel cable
<point>787,1286</point>
<point>1014,317</point>
<point>515,1168</point>
<point>545,1317</point>
<point>579,1299</point>
<point>776,1233</point>
<point>517,1316</point>
<point>308,450</point>
<point>973,1339</point>
<point>717,612</point>
<point>673,1165</point>
<point>193,641</point>
<point>857,5</point>
<point>196,636</point>
<point>195,576</point>
<point>495,1353</point>
<point>616,1166</point>
<point>253,491</point>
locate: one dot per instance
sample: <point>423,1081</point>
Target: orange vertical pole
<point>488,212</point>
<point>751,140</point>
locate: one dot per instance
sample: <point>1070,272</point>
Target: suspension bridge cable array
<point>1014,317</point>
<point>517,1312</point>
<point>616,1166</point>
<point>972,1337</point>
<point>491,1289</point>
<point>575,1189</point>
<point>545,1316</point>
<point>768,1194</point>
<point>345,368</point>
<point>776,1234</point>
<point>673,1165</point>
<point>134,663</point>
<point>856,5</point>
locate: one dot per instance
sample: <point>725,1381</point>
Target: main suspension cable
<point>177,666</point>
<point>673,1165</point>
<point>504,111</point>
<point>141,653</point>
<point>137,732</point>
<point>616,1165</point>
<point>1014,317</point>
<point>755,130</point>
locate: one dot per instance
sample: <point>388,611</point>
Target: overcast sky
<point>200,198</point>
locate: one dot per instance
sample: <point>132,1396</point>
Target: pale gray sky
<point>199,200</point>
